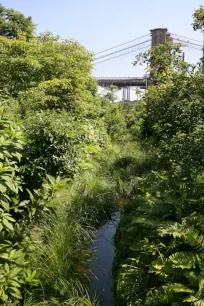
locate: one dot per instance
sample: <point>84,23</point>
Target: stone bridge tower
<point>159,36</point>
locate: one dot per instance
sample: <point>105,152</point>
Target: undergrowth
<point>62,258</point>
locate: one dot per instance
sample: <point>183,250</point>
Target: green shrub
<point>59,94</point>
<point>115,122</point>
<point>58,144</point>
<point>16,218</point>
<point>134,117</point>
<point>160,260</point>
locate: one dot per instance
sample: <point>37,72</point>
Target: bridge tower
<point>159,36</point>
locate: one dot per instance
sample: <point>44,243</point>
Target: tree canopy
<point>25,64</point>
<point>13,24</point>
<point>198,17</point>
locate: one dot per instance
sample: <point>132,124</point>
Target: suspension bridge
<point>133,47</point>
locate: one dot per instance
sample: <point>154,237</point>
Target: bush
<point>60,145</point>
<point>16,218</point>
<point>59,94</point>
<point>134,117</point>
<point>160,261</point>
<point>115,122</point>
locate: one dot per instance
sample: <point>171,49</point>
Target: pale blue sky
<point>100,24</point>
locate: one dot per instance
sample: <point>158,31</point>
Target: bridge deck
<point>121,82</point>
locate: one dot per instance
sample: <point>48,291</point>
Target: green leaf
<point>15,292</point>
<point>14,283</point>
<point>14,272</point>
<point>11,186</point>
<point>2,187</point>
<point>8,217</point>
<point>6,266</point>
<point>4,203</point>
<point>4,255</point>
<point>7,224</point>
<point>18,155</point>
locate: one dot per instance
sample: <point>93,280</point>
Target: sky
<point>102,24</point>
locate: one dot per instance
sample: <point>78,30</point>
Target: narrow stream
<point>101,265</point>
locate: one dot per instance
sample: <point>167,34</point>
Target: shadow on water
<point>101,265</point>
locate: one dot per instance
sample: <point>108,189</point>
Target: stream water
<point>101,265</point>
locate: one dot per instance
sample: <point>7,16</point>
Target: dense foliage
<point>160,260</point>
<point>198,17</point>
<point>50,124</point>
<point>67,155</point>
<point>25,64</point>
<point>57,181</point>
<point>13,24</point>
<point>17,217</point>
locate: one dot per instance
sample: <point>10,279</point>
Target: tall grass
<point>126,162</point>
<point>75,301</point>
<point>62,257</point>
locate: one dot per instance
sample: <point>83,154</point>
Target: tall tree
<point>198,16</point>
<point>198,24</point>
<point>13,23</point>
<point>25,64</point>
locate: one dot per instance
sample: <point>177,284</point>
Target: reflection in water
<point>101,264</point>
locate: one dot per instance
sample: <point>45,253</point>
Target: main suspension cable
<point>118,51</point>
<point>123,43</point>
<point>186,37</point>
<point>187,42</point>
<point>122,54</point>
